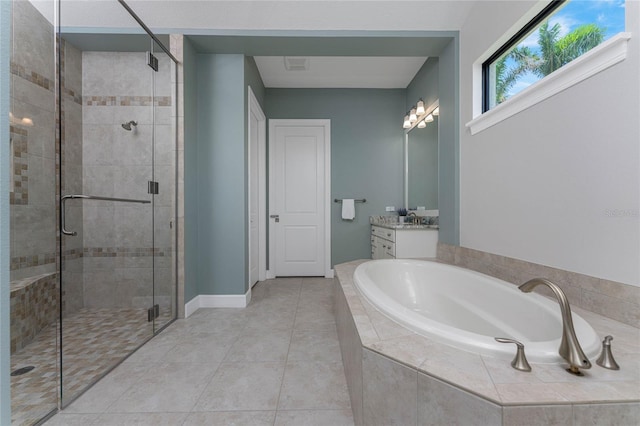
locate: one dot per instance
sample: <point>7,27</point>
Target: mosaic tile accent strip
<point>124,252</point>
<point>22,262</point>
<point>19,141</point>
<point>33,306</point>
<point>127,100</point>
<point>72,254</point>
<point>94,341</point>
<point>76,97</point>
<point>32,77</point>
<point>99,100</point>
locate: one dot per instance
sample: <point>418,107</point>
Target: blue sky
<point>608,14</point>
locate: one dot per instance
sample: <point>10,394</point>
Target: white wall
<point>541,186</point>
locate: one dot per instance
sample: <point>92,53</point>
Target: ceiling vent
<point>296,63</point>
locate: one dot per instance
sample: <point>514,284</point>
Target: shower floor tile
<point>95,340</point>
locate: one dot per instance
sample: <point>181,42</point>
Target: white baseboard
<point>216,301</point>
<point>329,274</point>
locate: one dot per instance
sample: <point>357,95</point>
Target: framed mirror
<point>421,162</point>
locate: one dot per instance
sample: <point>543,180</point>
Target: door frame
<point>326,123</point>
<point>253,107</point>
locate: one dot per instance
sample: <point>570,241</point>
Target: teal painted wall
<point>366,154</point>
<point>252,78</point>
<point>221,174</point>
<point>5,365</point>
<point>424,85</point>
<point>449,149</point>
<point>189,64</point>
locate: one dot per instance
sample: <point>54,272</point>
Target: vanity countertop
<point>401,226</point>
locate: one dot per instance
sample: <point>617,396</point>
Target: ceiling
<point>388,72</point>
<point>375,60</point>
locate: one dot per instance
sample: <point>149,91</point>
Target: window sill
<point>597,59</point>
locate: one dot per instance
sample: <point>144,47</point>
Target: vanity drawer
<point>385,233</point>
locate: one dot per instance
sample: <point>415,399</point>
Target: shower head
<point>127,126</point>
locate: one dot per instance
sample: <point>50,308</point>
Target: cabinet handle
<point>388,234</point>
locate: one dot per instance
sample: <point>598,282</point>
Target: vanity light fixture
<point>413,117</point>
<point>420,115</point>
<point>406,124</point>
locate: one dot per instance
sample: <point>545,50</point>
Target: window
<point>560,33</point>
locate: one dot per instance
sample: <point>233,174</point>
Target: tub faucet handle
<point>520,361</point>
<point>606,359</point>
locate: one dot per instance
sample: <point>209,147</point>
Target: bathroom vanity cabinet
<point>403,242</point>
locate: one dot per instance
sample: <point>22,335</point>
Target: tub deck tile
<point>410,350</point>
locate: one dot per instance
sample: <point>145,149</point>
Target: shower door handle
<point>90,197</point>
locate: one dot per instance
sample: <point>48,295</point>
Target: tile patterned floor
<point>94,341</point>
<point>276,362</point>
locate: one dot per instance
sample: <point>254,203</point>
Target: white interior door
<point>299,197</point>
<point>257,189</point>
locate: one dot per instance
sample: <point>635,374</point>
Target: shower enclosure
<point>93,238</point>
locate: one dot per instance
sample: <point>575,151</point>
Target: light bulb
<point>436,111</point>
<point>429,118</point>
<point>422,125</point>
<point>420,109</point>
<point>412,115</point>
<point>406,124</point>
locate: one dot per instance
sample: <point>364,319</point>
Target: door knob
<point>276,217</point>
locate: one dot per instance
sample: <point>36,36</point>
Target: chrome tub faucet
<point>570,348</point>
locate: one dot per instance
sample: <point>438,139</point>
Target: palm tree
<point>555,51</point>
<point>506,77</point>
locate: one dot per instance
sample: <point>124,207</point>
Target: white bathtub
<point>467,309</point>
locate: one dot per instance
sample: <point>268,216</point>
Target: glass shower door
<point>107,238</point>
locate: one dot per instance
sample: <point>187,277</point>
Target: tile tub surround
<point>615,300</point>
<point>434,383</point>
<point>34,306</point>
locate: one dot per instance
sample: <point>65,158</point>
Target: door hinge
<point>152,61</point>
<point>153,312</point>
<point>153,187</point>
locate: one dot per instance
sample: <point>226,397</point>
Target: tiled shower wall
<point>34,284</point>
<point>71,177</point>
<point>117,87</point>
<point>33,219</point>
